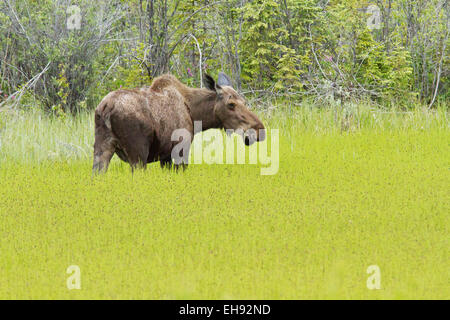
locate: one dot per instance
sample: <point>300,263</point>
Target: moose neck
<point>201,107</point>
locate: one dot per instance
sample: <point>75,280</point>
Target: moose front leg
<point>166,163</point>
<point>169,164</point>
<point>179,153</point>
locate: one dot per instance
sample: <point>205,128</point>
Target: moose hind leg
<point>103,151</point>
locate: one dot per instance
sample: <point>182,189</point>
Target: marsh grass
<point>355,188</point>
<point>32,136</point>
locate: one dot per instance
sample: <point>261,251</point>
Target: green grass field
<point>354,188</point>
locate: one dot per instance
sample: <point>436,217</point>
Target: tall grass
<point>33,136</point>
<point>354,189</point>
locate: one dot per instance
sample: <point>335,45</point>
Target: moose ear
<point>209,82</point>
<point>223,80</point>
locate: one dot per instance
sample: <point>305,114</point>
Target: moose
<point>137,124</point>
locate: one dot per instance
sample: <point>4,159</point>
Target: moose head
<point>231,110</point>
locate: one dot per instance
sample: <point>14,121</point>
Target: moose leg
<point>138,154</point>
<point>166,163</point>
<point>139,161</point>
<point>103,151</point>
<point>185,158</point>
<point>182,166</point>
<point>181,162</point>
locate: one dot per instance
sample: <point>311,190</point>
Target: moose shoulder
<point>138,124</point>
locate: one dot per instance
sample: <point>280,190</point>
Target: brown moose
<point>137,124</point>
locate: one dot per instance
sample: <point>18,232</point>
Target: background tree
<point>316,49</point>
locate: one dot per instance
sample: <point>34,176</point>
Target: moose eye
<point>231,105</point>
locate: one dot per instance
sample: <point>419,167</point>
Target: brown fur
<point>137,124</point>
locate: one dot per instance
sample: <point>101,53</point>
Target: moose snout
<point>261,134</point>
<point>260,131</point>
<point>254,134</point>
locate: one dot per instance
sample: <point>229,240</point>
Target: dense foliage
<point>386,51</point>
